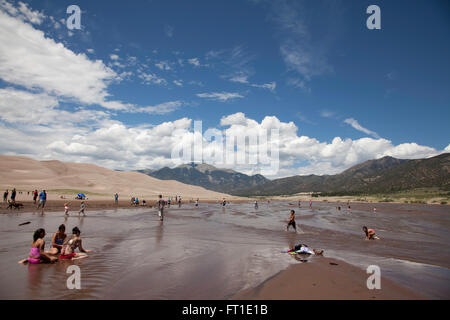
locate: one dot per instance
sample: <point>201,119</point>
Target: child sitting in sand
<point>68,249</point>
<point>370,234</point>
<point>37,253</point>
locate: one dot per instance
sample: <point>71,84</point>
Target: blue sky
<point>311,64</point>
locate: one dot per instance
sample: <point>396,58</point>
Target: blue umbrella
<point>81,195</point>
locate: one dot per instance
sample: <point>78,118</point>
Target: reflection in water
<point>80,222</point>
<point>34,279</point>
<point>159,232</point>
<point>213,251</point>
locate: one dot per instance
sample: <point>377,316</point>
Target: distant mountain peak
<point>207,176</point>
<point>203,167</point>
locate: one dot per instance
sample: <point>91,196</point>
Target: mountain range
<point>386,174</point>
<point>208,177</point>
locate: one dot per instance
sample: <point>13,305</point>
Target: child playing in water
<point>291,221</point>
<point>68,249</point>
<point>37,253</point>
<point>66,208</point>
<point>82,208</point>
<point>370,234</point>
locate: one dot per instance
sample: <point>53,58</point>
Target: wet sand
<point>91,205</point>
<point>325,279</point>
<point>212,252</point>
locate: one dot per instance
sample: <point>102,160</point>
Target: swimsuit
<point>59,242</point>
<point>67,256</point>
<point>34,252</point>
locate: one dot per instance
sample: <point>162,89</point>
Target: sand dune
<point>27,174</point>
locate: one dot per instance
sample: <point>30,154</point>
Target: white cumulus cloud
<point>50,66</point>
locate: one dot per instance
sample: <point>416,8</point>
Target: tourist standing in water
<point>5,196</point>
<point>256,204</point>
<point>179,202</point>
<point>291,221</point>
<point>310,204</point>
<point>196,202</point>
<point>116,198</point>
<point>161,208</point>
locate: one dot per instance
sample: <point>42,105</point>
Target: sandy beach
<point>325,279</point>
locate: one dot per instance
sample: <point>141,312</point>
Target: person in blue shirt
<point>13,195</point>
<point>42,200</point>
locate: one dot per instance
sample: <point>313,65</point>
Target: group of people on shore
<point>62,247</point>
<point>13,195</point>
<point>42,197</point>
